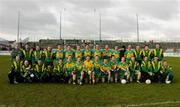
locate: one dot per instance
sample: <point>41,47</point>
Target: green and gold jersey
<point>78,53</point>
<point>69,66</point>
<point>48,56</point>
<point>17,66</point>
<point>133,65</point>
<point>166,69</point>
<point>123,66</point>
<point>27,54</point>
<point>138,55</point>
<point>147,53</point>
<point>97,53</point>
<point>69,53</point>
<point>113,65</point>
<point>146,66</point>
<point>97,65</point>
<point>105,67</point>
<point>106,53</point>
<point>37,55</point>
<point>158,53</point>
<point>79,66</point>
<point>59,54</point>
<point>156,66</point>
<point>128,55</point>
<point>116,54</point>
<point>59,67</point>
<point>39,68</point>
<point>87,53</point>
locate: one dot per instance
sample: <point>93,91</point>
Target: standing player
<point>123,69</point>
<point>138,54</point>
<point>69,68</point>
<point>158,52</point>
<point>78,52</point>
<point>37,55</point>
<point>116,53</point>
<point>59,54</point>
<point>48,56</point>
<point>147,53</point>
<point>87,52</point>
<point>88,68</point>
<point>106,71</point>
<point>16,52</point>
<point>27,53</point>
<point>69,52</point>
<point>106,53</point>
<point>128,54</point>
<point>134,68</point>
<point>97,52</point>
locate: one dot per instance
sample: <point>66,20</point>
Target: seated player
<point>40,72</point>
<point>123,69</point>
<point>69,68</point>
<point>79,70</point>
<point>97,71</point>
<point>88,68</point>
<point>134,69</point>
<point>58,71</point>
<point>114,72</point>
<point>16,69</point>
<point>146,68</point>
<point>156,67</point>
<point>26,71</point>
<point>166,73</point>
<point>105,71</point>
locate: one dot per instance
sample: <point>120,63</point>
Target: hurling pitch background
<point>55,94</point>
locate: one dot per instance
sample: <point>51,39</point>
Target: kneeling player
<point>114,72</point>
<point>79,70</point>
<point>40,72</point>
<point>26,72</point>
<point>88,68</point>
<point>69,68</point>
<point>106,70</point>
<point>97,71</point>
<point>123,69</point>
<point>134,69</point>
<point>166,73</point>
<point>146,68</point>
<point>58,71</point>
<point>15,72</point>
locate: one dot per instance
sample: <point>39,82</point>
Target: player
<point>37,55</point>
<point>79,70</point>
<point>40,72</point>
<point>78,53</point>
<point>116,53</point>
<point>147,53</point>
<point>87,52</point>
<point>128,54</point>
<point>97,52</point>
<point>106,53</point>
<point>114,72</point>
<point>88,68</point>
<point>156,67</point>
<point>166,73</point>
<point>146,67</point>
<point>58,71</point>
<point>16,51</point>
<point>105,71</point>
<point>26,72</point>
<point>97,65</point>
<point>59,54</point>
<point>69,68</point>
<point>69,52</point>
<point>27,54</point>
<point>135,70</point>
<point>16,69</point>
<point>158,52</point>
<point>138,54</point>
<point>48,56</point>
<point>123,69</point>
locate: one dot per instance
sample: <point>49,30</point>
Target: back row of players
<point>89,65</point>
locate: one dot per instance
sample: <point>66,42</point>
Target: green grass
<point>51,94</point>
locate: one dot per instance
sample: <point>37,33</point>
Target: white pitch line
<point>153,104</point>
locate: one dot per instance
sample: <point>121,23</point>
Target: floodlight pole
<point>18,27</point>
<point>60,26</point>
<point>137,28</point>
<point>100,27</point>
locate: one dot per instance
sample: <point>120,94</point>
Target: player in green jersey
<point>59,54</point>
<point>78,52</point>
<point>135,70</point>
<point>97,65</point>
<point>69,52</point>
<point>106,53</point>
<point>123,69</point>
<point>128,54</point>
<point>87,52</point>
<point>114,71</point>
<point>48,56</point>
<point>69,68</point>
<point>79,70</point>
<point>138,54</point>
<point>26,72</point>
<point>147,53</point>
<point>105,70</point>
<point>40,72</point>
<point>27,53</point>
<point>158,52</point>
<point>58,71</point>
<point>37,55</point>
<point>97,52</point>
<point>156,67</point>
<point>116,53</point>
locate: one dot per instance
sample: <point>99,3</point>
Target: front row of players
<point>92,71</point>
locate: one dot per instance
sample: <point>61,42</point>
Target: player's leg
<point>74,76</point>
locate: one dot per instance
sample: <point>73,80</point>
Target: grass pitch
<point>54,94</point>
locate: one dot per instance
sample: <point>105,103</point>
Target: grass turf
<point>54,94</point>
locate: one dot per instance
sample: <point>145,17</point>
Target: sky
<point>40,19</point>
